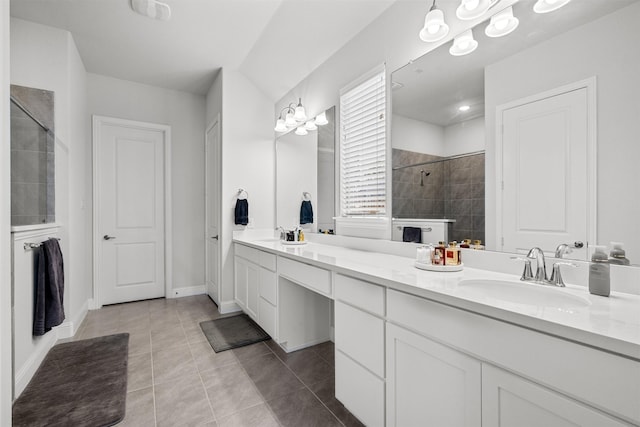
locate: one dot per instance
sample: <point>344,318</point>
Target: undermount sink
<point>523,293</point>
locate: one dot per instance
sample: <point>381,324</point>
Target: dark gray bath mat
<point>232,332</point>
<point>80,383</point>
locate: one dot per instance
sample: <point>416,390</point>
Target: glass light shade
<point>502,23</point>
<point>321,119</point>
<point>289,121</point>
<point>472,9</point>
<point>464,44</point>
<point>464,108</point>
<point>301,131</point>
<point>300,115</point>
<point>310,125</point>
<point>546,6</point>
<point>280,126</point>
<point>434,26</point>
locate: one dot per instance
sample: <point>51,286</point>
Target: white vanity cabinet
<point>255,286</point>
<point>359,343</point>
<point>430,384</point>
<point>442,363</point>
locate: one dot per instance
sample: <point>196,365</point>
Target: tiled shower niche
<point>32,156</point>
<point>453,189</point>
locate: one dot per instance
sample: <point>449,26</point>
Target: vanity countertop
<point>611,324</point>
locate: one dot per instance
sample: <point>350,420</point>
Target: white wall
<point>607,49</point>
<point>6,376</point>
<point>464,137</point>
<point>185,113</point>
<point>247,161</point>
<point>417,136</point>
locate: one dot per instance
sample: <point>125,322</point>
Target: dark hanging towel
<point>306,212</point>
<point>242,212</point>
<point>49,292</point>
<point>412,234</point>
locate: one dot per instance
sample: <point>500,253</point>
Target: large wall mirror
<point>472,135</point>
<point>305,170</point>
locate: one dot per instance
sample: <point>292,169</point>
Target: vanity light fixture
<point>321,119</point>
<point>301,131</point>
<point>295,114</point>
<point>300,115</point>
<point>463,44</point>
<point>546,6</point>
<point>472,9</point>
<point>434,26</point>
<point>502,23</point>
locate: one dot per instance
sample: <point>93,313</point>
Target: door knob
<point>578,245</point>
<point>107,237</point>
<point>215,237</point>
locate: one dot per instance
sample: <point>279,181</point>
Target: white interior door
<point>212,189</point>
<point>546,174</point>
<point>129,190</point>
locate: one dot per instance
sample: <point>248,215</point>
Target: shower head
<point>422,175</point>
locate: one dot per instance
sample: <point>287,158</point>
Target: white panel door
<point>545,194</point>
<point>429,384</point>
<point>511,401</point>
<point>131,224</point>
<point>212,190</point>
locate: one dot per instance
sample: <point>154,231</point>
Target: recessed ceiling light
<point>464,108</point>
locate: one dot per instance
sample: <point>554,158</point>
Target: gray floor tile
<point>172,363</point>
<point>302,409</point>
<point>271,377</point>
<point>168,337</point>
<point>257,416</point>
<point>309,366</point>
<point>230,390</point>
<point>251,351</point>
<point>139,372</point>
<point>139,412</point>
<point>207,359</point>
<point>327,351</point>
<point>325,391</point>
<point>182,402</point>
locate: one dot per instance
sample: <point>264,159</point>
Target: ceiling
<point>435,85</point>
<point>275,43</point>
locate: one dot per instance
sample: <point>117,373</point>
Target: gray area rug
<point>80,383</point>
<point>232,332</point>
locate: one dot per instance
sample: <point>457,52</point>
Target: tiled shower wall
<point>454,189</point>
<point>32,157</point>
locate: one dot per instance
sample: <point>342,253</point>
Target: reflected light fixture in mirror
<point>502,23</point>
<point>546,6</point>
<point>463,44</point>
<point>301,131</point>
<point>472,9</point>
<point>434,26</point>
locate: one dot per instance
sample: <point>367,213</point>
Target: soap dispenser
<point>599,273</point>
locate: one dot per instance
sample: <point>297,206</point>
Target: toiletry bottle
<point>477,244</point>
<point>301,236</point>
<point>452,254</point>
<point>599,273</point>
<point>439,255</point>
<point>466,243</point>
<point>617,255</point>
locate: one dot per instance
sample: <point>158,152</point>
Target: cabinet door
<point>429,384</point>
<point>240,282</point>
<point>509,400</point>
<point>253,280</point>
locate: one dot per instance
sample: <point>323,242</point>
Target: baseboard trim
<point>187,291</point>
<point>24,375</point>
<point>228,307</point>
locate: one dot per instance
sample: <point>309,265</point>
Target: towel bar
<point>28,245</point>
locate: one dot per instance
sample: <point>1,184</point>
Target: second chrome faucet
<point>541,269</point>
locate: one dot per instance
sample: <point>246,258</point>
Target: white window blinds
<point>363,148</point>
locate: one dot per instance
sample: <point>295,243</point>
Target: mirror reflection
<point>305,178</point>
<point>446,107</point>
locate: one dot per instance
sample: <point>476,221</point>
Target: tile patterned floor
<point>176,379</point>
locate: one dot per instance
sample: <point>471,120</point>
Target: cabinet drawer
<point>267,318</point>
<point>268,260</point>
<point>305,275</point>
<point>268,282</point>
<point>361,294</point>
<point>361,336</point>
<point>248,253</point>
<point>361,392</point>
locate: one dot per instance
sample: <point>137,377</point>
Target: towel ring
<point>306,195</point>
<point>240,191</point>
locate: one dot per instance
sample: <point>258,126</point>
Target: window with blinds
<point>363,148</point>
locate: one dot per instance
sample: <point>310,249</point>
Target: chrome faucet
<point>541,269</point>
<point>562,250</point>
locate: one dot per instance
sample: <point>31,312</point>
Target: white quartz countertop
<point>611,324</point>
